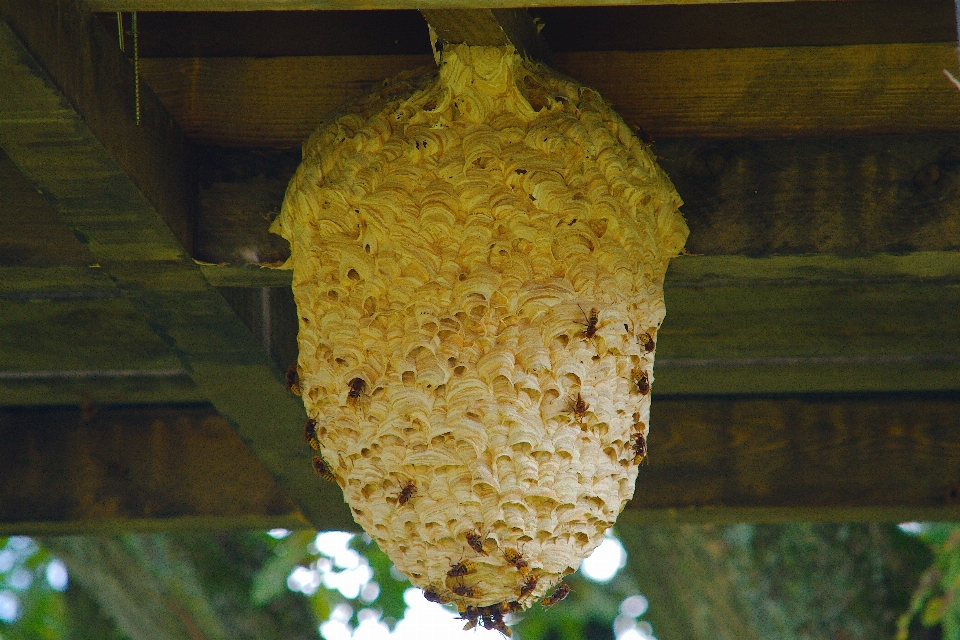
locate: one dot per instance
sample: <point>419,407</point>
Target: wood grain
<point>889,455</point>
<point>268,34</point>
<point>853,195</point>
<point>116,470</point>
<point>489,28</point>
<point>304,5</point>
<point>717,93</point>
<point>783,458</point>
<point>128,237</point>
<point>85,64</point>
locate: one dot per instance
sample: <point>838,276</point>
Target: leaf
<point>271,581</point>
<point>933,612</point>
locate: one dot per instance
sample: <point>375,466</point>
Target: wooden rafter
<point>103,470</point>
<point>784,458</point>
<point>63,79</point>
<point>303,5</point>
<point>729,93</point>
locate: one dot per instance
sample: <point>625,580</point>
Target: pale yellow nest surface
<point>449,239</point>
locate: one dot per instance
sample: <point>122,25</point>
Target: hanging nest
<point>478,257</point>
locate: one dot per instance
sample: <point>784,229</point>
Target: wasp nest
<point>478,258</point>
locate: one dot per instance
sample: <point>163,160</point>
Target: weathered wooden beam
<point>67,335</point>
<point>303,5</point>
<point>268,34</point>
<point>785,458</point>
<point>489,28</point>
<point>99,84</point>
<point>791,324</point>
<point>890,457</point>
<point>120,469</point>
<point>101,199</point>
<point>850,195</point>
<point>718,93</point>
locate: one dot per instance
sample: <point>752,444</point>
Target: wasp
<point>471,615</point>
<point>475,542</point>
<point>641,382</point>
<point>461,569</point>
<point>293,380</point>
<point>509,607</point>
<point>639,448</point>
<point>467,592</point>
<point>579,407</point>
<point>590,328</point>
<point>558,594</point>
<point>310,434</point>
<point>433,596</point>
<point>528,586</point>
<point>646,342</point>
<point>357,385</point>
<point>407,492</point>
<point>513,557</point>
<point>320,466</point>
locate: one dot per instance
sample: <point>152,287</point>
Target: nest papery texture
<point>450,237</point>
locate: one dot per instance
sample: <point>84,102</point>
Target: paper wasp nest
<point>478,257</point>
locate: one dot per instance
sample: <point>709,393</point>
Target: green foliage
<point>23,566</point>
<point>936,600</point>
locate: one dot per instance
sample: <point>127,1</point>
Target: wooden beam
<point>269,34</point>
<point>110,470</point>
<point>311,5</point>
<point>820,264</point>
<point>784,458</point>
<point>888,457</point>
<point>851,195</point>
<point>50,141</point>
<point>489,28</point>
<point>718,93</point>
<point>155,151</point>
<point>791,324</point>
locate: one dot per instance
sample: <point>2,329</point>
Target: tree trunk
<point>796,582</point>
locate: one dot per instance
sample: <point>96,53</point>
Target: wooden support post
<point>67,121</point>
<point>489,27</point>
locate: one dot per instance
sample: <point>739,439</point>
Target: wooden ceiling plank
<point>121,469</point>
<point>715,93</point>
<point>782,458</point>
<point>49,48</point>
<point>305,5</point>
<point>490,28</point>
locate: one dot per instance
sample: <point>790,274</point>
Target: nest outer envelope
<point>450,234</point>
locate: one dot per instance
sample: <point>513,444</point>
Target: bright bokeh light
<point>913,528</point>
<point>605,561</point>
<point>56,574</point>
<point>304,580</point>
<point>634,606</point>
<point>641,631</point>
<point>349,582</point>
<point>9,606</point>
<point>333,544</point>
<point>278,534</point>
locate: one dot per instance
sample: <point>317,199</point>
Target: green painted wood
<point>74,335</point>
<point>87,387</point>
<point>87,181</point>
